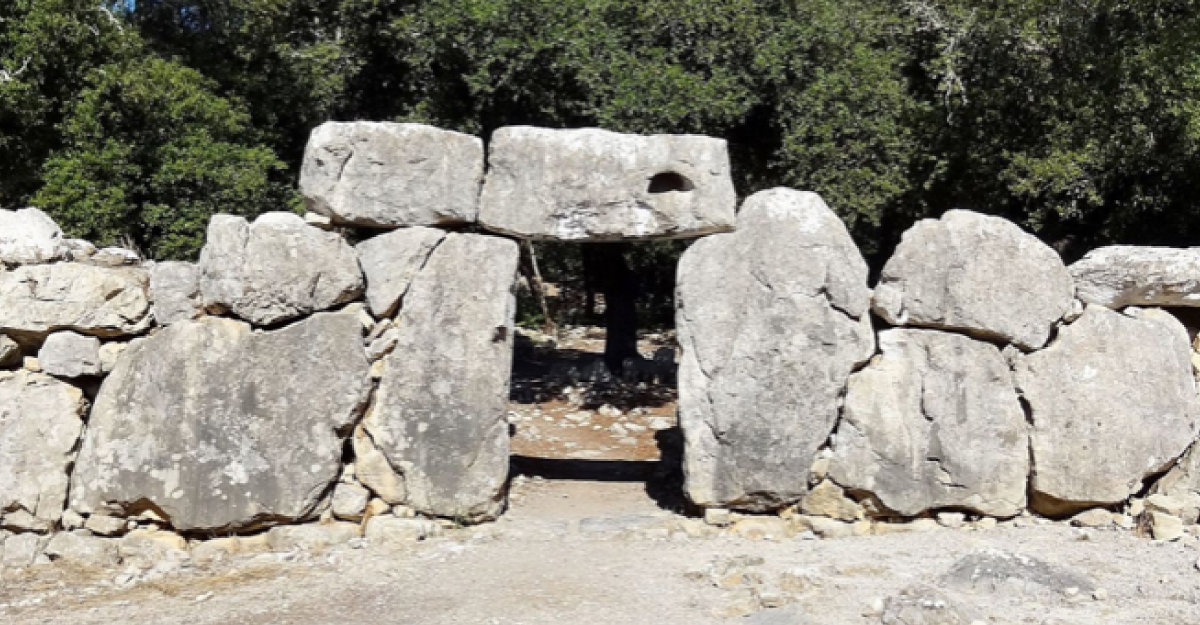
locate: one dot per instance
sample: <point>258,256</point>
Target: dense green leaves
<point>152,153</point>
<point>1080,120</point>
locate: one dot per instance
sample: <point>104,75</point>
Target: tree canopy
<point>133,121</point>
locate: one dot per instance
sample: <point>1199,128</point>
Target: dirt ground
<point>578,551</point>
<point>598,533</point>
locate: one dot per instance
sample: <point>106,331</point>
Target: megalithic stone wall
<point>290,376</point>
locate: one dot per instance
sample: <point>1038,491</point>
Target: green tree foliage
<point>1080,120</point>
<point>47,50</point>
<point>152,153</point>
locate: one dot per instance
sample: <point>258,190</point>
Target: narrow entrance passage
<point>594,435</point>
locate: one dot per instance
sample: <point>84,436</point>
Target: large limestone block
<point>175,291</point>
<point>29,236</point>
<point>772,320</point>
<point>439,413</point>
<point>387,174</point>
<point>978,274</point>
<point>1128,275</point>
<point>596,185</point>
<point>40,423</point>
<point>70,355</point>
<point>221,427</point>
<point>391,261</point>
<point>1113,401</point>
<point>276,269</point>
<point>36,300</point>
<point>934,423</point>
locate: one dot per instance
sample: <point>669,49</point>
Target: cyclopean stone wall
<point>291,376</point>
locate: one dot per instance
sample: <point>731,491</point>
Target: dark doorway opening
<point>586,411</point>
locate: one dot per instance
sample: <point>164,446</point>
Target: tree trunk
<point>609,271</point>
<point>529,266</point>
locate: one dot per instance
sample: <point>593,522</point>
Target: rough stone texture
<point>1127,275</point>
<point>387,174</point>
<point>349,501</point>
<point>28,236</point>
<point>596,185</point>
<point>1112,401</point>
<point>10,353</point>
<point>992,569</point>
<point>922,605</point>
<point>36,300</point>
<point>391,261</point>
<point>81,548</point>
<point>979,274</point>
<point>70,355</point>
<point>175,291</point>
<point>276,269</point>
<point>374,471</point>
<point>40,423</point>
<point>772,320</point>
<point>934,423</point>
<point>439,413</point>
<point>219,427</point>
<point>1182,484</point>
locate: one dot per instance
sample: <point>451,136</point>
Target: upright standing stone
<point>28,236</point>
<point>391,261</point>
<point>934,423</point>
<point>596,185</point>
<point>439,413</point>
<point>217,426</point>
<point>772,319</point>
<point>40,423</point>
<point>386,174</point>
<point>1113,401</point>
<point>1127,275</point>
<point>276,269</point>
<point>175,290</point>
<point>36,300</point>
<point>978,274</point>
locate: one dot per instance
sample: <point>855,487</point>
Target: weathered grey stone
<point>439,413</point>
<point>70,355</point>
<point>387,174</point>
<point>979,274</point>
<point>349,501</point>
<point>149,547</point>
<point>311,537</point>
<point>216,426</point>
<point>389,530</point>
<point>1128,275</point>
<point>23,549</point>
<point>1182,484</point>
<point>114,257</point>
<point>36,300</point>
<point>934,423</point>
<point>989,570</point>
<point>373,470</point>
<point>81,548</point>
<point>276,269</point>
<point>175,291</point>
<point>772,320</point>
<point>40,423</point>
<point>1112,402</point>
<point>28,236</point>
<point>391,261</point>
<point>10,353</point>
<point>922,605</point>
<point>110,354</point>
<point>596,185</point>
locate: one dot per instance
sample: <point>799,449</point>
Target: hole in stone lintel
<point>669,181</point>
